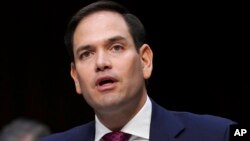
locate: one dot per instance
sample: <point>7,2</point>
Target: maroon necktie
<point>116,136</point>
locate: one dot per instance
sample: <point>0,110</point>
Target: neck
<point>116,120</point>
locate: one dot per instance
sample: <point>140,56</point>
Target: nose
<point>102,62</point>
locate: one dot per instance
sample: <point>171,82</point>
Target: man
<point>24,130</point>
<point>110,64</point>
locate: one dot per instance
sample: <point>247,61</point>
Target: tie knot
<point>116,136</point>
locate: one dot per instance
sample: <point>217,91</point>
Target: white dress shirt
<point>138,126</point>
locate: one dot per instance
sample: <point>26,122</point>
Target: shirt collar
<point>139,125</point>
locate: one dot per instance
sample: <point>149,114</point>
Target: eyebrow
<point>107,42</point>
<point>84,47</point>
<point>116,38</point>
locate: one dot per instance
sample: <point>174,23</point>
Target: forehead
<point>101,24</point>
<point>101,19</point>
<point>102,14</point>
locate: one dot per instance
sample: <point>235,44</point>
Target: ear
<point>146,55</point>
<point>74,75</point>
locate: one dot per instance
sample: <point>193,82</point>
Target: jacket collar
<point>164,124</point>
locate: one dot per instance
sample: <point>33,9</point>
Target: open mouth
<point>106,81</point>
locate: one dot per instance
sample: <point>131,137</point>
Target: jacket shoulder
<point>203,121</point>
<point>184,126</point>
<point>208,127</point>
<point>77,133</point>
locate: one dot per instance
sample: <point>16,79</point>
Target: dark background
<point>201,60</point>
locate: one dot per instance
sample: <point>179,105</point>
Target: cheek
<point>85,78</point>
<point>131,69</point>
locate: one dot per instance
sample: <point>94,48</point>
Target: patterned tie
<point>116,136</point>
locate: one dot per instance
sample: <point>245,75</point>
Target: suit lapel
<point>85,133</point>
<point>91,133</point>
<point>164,125</point>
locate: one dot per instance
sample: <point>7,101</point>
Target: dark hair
<point>135,27</point>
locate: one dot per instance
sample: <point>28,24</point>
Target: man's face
<point>108,71</point>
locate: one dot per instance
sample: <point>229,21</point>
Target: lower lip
<point>106,87</point>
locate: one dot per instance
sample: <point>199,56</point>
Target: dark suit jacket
<point>165,126</point>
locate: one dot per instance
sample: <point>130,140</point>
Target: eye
<point>85,55</point>
<point>117,48</point>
